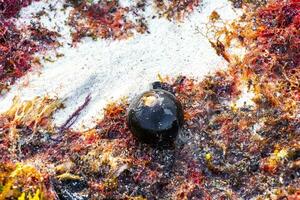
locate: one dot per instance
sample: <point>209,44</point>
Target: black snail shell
<point>155,117</point>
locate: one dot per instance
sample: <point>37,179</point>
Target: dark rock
<point>70,189</point>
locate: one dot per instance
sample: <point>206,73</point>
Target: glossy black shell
<point>155,117</point>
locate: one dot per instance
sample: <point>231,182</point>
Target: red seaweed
<point>108,20</point>
<point>11,8</point>
<point>17,51</point>
<point>103,20</point>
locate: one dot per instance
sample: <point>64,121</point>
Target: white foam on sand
<point>112,69</point>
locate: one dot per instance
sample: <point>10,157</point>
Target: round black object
<point>155,117</point>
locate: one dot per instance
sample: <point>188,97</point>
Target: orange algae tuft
<point>176,9</point>
<point>22,181</point>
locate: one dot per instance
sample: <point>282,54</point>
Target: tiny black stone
<point>155,117</point>
<point>157,85</point>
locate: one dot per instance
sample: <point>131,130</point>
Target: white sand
<point>113,69</point>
